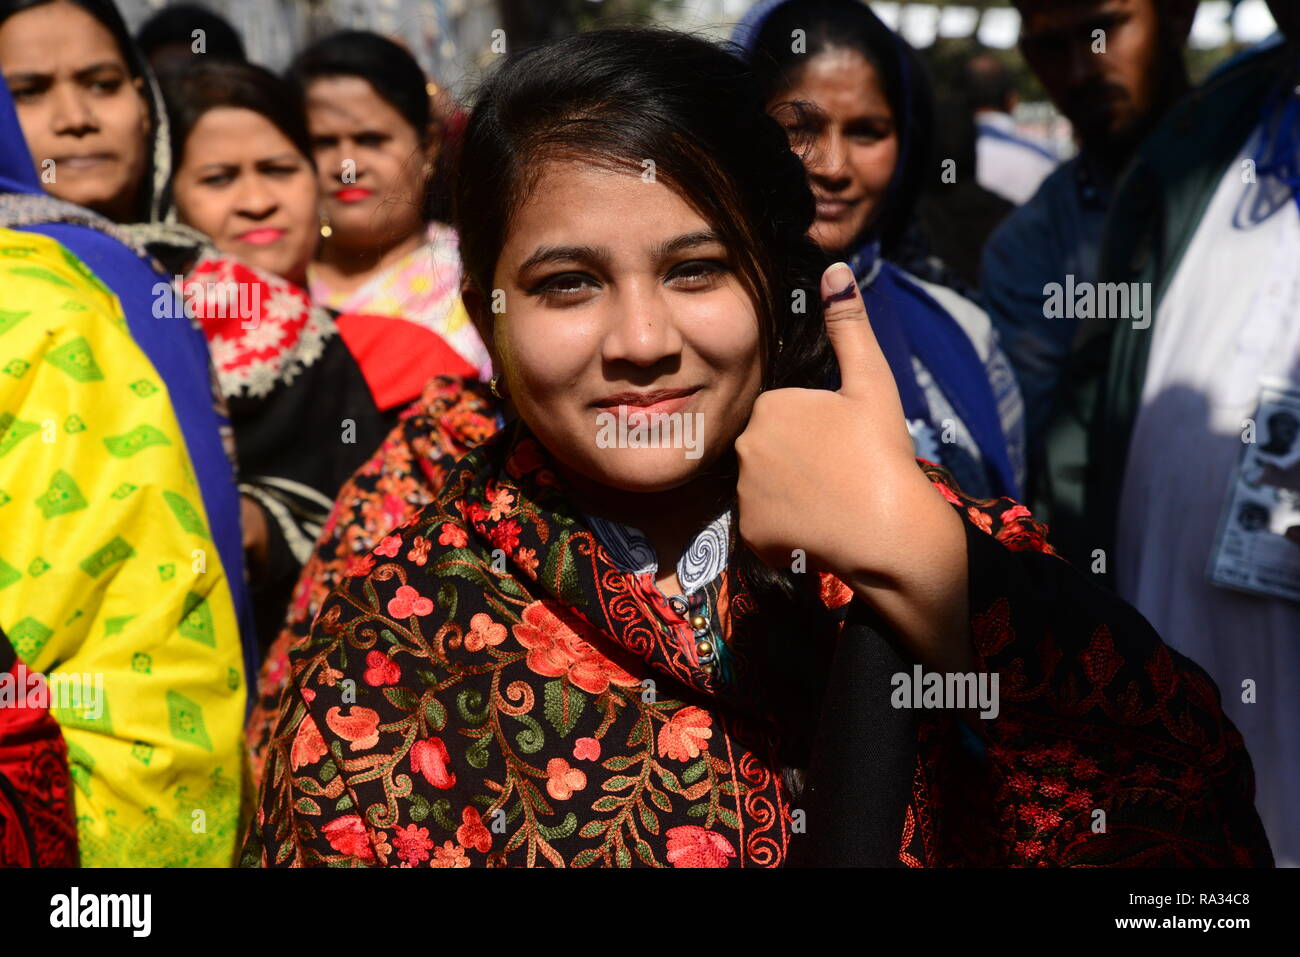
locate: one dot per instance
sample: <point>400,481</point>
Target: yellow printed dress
<point>108,571</point>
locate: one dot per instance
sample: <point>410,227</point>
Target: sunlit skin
<point>851,142</point>
<point>78,106</point>
<point>1112,92</point>
<point>594,309</point>
<point>375,218</point>
<point>243,183</point>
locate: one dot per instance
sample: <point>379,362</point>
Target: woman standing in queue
<point>582,653</point>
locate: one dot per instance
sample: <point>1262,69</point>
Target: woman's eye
<point>25,96</point>
<point>281,171</point>
<point>217,179</point>
<point>106,87</point>
<point>371,139</point>
<point>564,286</point>
<point>698,273</point>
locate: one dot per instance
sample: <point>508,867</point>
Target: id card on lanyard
<point>1258,545</point>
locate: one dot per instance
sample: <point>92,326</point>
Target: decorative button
<point>707,669</point>
<point>705,648</point>
<point>699,623</point>
<point>678,604</point>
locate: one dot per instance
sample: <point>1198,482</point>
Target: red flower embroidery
<point>562,780</point>
<point>360,565</point>
<point>412,843</point>
<point>505,536</point>
<point>834,593</point>
<point>691,846</point>
<point>484,631</point>
<point>347,835</point>
<point>527,559</point>
<point>308,745</point>
<point>501,500</point>
<point>686,734</point>
<point>586,749</point>
<point>472,833</point>
<point>390,546</point>
<point>453,535</point>
<point>382,670</point>
<point>419,552</point>
<point>449,855</point>
<point>430,758</point>
<point>408,602</point>
<point>1013,513</point>
<point>556,651</point>
<point>360,728</point>
<point>980,520</point>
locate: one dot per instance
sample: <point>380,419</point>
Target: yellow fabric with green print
<point>107,570</point>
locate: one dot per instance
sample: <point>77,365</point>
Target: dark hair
<point>850,24</point>
<point>175,26</point>
<point>210,84</point>
<point>988,83</point>
<point>106,13</point>
<point>385,65</point>
<point>398,80</point>
<point>618,98</point>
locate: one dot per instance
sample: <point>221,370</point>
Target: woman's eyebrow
<point>554,254</point>
<point>88,71</point>
<point>703,237</point>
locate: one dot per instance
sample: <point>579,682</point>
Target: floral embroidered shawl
<point>400,478</point>
<point>489,688</point>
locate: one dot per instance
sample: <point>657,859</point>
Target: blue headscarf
<point>177,350</point>
<point>907,321</point>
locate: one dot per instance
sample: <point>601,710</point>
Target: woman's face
<point>243,183</point>
<point>79,107</point>
<point>854,143</point>
<point>602,321</point>
<point>372,170</point>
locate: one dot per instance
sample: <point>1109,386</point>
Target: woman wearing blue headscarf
<point>853,96</point>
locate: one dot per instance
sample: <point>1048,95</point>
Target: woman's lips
<point>658,402</point>
<point>833,208</point>
<point>353,194</point>
<point>89,161</point>
<point>260,237</point>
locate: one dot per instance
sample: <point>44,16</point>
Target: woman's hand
<point>256,535</point>
<point>833,474</point>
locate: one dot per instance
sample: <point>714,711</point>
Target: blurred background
<point>453,38</point>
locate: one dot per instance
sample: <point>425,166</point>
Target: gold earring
<point>494,386</point>
<point>325,230</point>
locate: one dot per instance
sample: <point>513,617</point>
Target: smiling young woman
<point>580,655</point>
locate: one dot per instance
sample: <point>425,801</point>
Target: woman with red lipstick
<point>311,393</point>
<point>855,93</point>
<point>384,253</point>
<point>581,654</point>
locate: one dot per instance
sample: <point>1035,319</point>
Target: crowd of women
<point>299,384</point>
